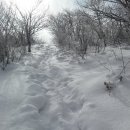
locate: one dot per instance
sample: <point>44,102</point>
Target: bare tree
<point>7,24</point>
<point>117,11</point>
<point>62,27</point>
<point>32,22</point>
<point>73,30</point>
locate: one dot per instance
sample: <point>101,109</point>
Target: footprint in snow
<point>35,89</point>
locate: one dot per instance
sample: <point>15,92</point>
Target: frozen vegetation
<point>78,80</point>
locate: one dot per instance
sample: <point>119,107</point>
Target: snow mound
<point>35,89</point>
<point>39,101</point>
<point>27,108</point>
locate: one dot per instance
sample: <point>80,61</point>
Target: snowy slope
<point>47,91</point>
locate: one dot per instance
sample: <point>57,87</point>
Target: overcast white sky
<point>58,5</point>
<point>54,5</point>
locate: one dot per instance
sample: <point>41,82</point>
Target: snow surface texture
<point>48,91</point>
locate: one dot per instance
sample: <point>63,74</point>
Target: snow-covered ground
<point>47,91</point>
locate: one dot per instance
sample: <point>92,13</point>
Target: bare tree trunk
<point>29,46</point>
<point>28,35</point>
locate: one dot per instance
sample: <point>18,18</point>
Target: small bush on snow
<point>109,86</point>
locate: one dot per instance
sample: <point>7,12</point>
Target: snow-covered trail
<point>12,90</point>
<point>31,92</point>
<point>47,91</point>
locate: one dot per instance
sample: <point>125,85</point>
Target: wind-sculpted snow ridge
<point>48,91</point>
<point>43,101</point>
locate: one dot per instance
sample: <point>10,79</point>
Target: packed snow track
<point>48,91</point>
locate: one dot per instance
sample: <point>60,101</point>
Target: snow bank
<point>61,94</point>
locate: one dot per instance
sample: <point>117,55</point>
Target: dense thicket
<point>17,31</point>
<point>8,35</point>
<point>92,27</point>
<point>97,24</point>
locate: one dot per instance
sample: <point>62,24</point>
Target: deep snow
<point>48,90</point>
